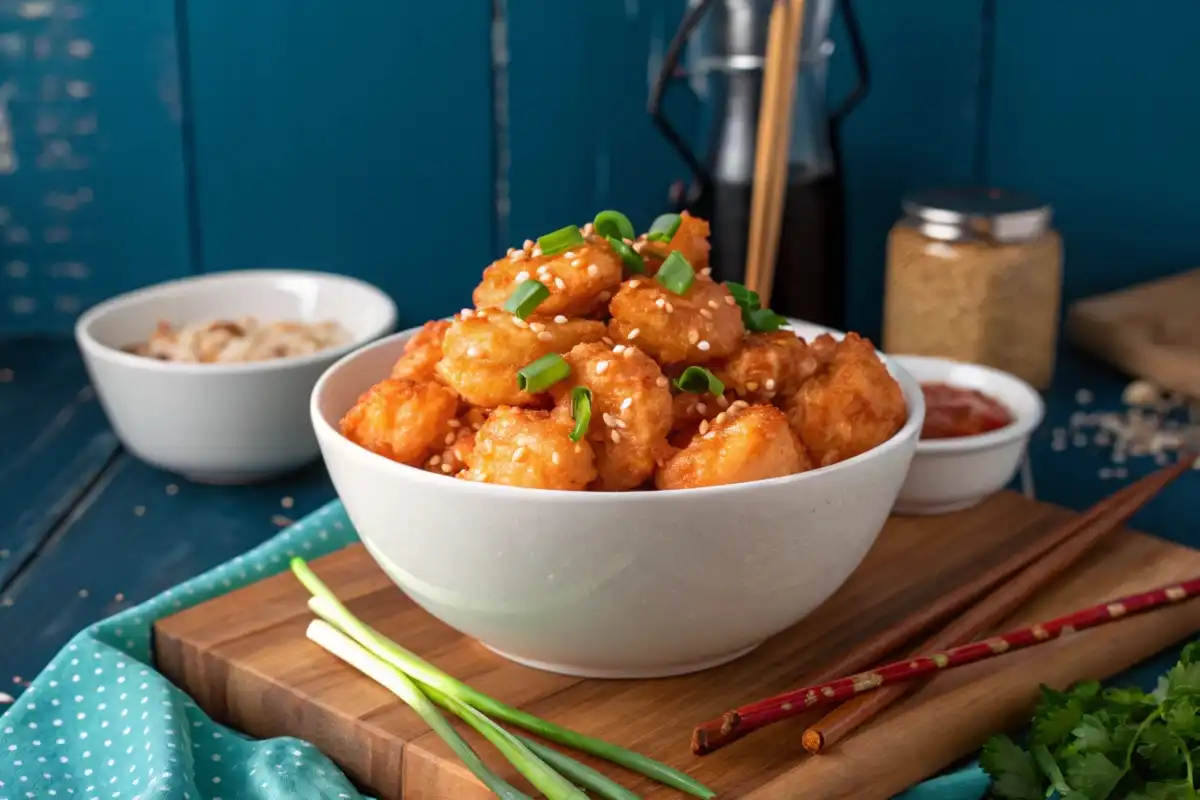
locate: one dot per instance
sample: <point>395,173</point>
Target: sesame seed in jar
<point>560,284</point>
<point>626,403</point>
<point>516,456</point>
<point>1084,397</point>
<point>522,276</point>
<point>537,327</point>
<point>555,458</point>
<point>633,284</point>
<point>633,334</point>
<point>661,381</point>
<point>740,404</point>
<point>769,385</point>
<point>601,366</point>
<point>704,426</point>
<point>520,323</point>
<point>560,319</point>
<point>473,352</point>
<point>447,468</point>
<point>608,420</point>
<point>545,336</point>
<point>703,345</point>
<point>615,436</point>
<point>724,415</point>
<point>701,408</point>
<point>693,336</point>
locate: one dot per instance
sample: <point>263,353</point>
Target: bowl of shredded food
<point>613,465</point>
<point>209,376</point>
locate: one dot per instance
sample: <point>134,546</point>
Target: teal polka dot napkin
<point>100,724</point>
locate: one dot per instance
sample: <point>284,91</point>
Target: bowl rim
<point>327,433</point>
<point>114,305</point>
<point>1021,427</point>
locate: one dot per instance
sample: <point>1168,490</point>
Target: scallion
<point>540,375</point>
<point>664,227</point>
<point>632,258</point>
<point>528,295</point>
<point>581,411</point>
<point>754,316</point>
<point>560,240</point>
<point>615,224</point>
<point>676,274</point>
<point>699,380</point>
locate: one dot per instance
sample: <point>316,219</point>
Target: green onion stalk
<point>326,605</point>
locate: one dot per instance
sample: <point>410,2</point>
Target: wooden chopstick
<point>1112,512</point>
<point>977,620</point>
<point>914,667</point>
<point>772,141</point>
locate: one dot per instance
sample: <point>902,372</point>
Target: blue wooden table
<point>88,529</point>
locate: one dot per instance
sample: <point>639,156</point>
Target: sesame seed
<point>752,386</point>
<point>661,381</point>
<point>770,384</point>
<point>627,240</point>
<point>620,423</point>
<point>661,302</point>
<point>560,284</point>
<point>449,454</point>
<point>454,423</point>
<point>554,457</point>
<point>578,449</point>
<point>607,341</point>
<point>713,304</point>
<point>543,271</point>
<point>472,352</point>
<point>693,336</point>
<point>723,402</point>
<point>721,417</point>
<point>703,345</point>
<point>528,245</point>
<point>618,348</point>
<point>630,352</point>
<point>704,312</point>
<point>740,404</point>
<point>701,408</point>
<point>449,438</point>
<point>560,319</point>
<point>710,435</point>
<point>510,251</point>
<point>706,271</point>
<point>729,301</point>
<point>447,468</point>
<point>609,420</point>
<point>537,251</point>
<point>433,462</point>
<point>568,254</point>
<point>603,296</point>
<point>601,366</point>
<point>516,456</point>
<point>704,426</point>
<point>587,229</point>
<point>517,256</point>
<point>626,403</point>
<point>537,327</point>
<point>670,307</point>
<point>633,333</point>
<point>639,246</point>
<point>485,446</point>
<point>633,284</point>
<point>520,323</point>
<point>522,276</point>
<point>615,436</point>
<point>545,336</point>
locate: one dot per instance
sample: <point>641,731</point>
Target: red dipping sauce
<point>953,411</point>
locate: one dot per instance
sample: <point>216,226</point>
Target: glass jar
<point>975,275</point>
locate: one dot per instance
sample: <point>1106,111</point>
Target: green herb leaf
<point>764,320</point>
<point>1093,734</point>
<point>1190,654</point>
<point>560,240</point>
<point>1161,752</point>
<point>1175,790</point>
<point>581,411</point>
<point>1183,719</point>
<point>540,375</point>
<point>1093,775</point>
<point>1056,720</point>
<point>1049,768</point>
<point>613,224</point>
<point>631,258</point>
<point>699,380</point>
<point>664,227</point>
<point>528,295</point>
<point>1014,773</point>
<point>1183,680</point>
<point>676,274</point>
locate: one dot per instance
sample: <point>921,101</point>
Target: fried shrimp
<point>422,352</point>
<point>851,405</point>
<point>484,350</point>
<point>581,280</point>
<point>766,366</point>
<point>532,449</point>
<point>450,453</point>
<point>746,443</point>
<point>691,240</point>
<point>631,411</point>
<point>696,327</point>
<point>401,419</point>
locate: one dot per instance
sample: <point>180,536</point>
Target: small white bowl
<point>612,585</point>
<point>953,474</point>
<point>222,423</point>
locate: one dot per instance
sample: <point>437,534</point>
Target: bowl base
<point>916,509</point>
<point>619,673</point>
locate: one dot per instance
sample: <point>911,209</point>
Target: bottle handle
<point>859,51</point>
<point>670,65</point>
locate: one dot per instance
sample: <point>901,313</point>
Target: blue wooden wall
<point>406,143</point>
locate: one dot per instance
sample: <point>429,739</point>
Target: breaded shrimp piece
<point>693,328</point>
<point>692,408</point>
<point>532,449</point>
<point>581,280</point>
<point>766,366</point>
<point>456,443</point>
<point>746,443</point>
<point>401,419</point>
<point>484,350</point>
<point>851,405</point>
<point>631,411</point>
<point>422,352</point>
<point>691,240</point>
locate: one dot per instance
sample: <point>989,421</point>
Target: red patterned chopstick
<point>796,701</point>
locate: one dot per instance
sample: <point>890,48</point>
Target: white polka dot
<point>57,723</point>
<point>31,706</point>
<point>216,780</point>
<point>216,757</point>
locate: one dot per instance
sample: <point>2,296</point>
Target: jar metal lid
<point>1005,216</point>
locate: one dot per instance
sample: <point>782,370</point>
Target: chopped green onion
<point>581,411</point>
<point>754,316</point>
<point>560,240</point>
<point>528,295</point>
<point>324,604</point>
<point>632,258</point>
<point>613,223</point>
<point>664,227</point>
<point>699,380</point>
<point>540,375</point>
<point>676,274</point>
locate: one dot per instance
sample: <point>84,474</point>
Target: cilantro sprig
<point>1090,743</point>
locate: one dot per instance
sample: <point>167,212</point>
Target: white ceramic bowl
<point>222,423</point>
<point>952,474</point>
<point>633,584</point>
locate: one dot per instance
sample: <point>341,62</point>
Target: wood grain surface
<point>245,659</point>
<point>1148,331</point>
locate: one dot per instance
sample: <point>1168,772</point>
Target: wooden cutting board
<point>245,659</point>
<point>1149,331</point>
